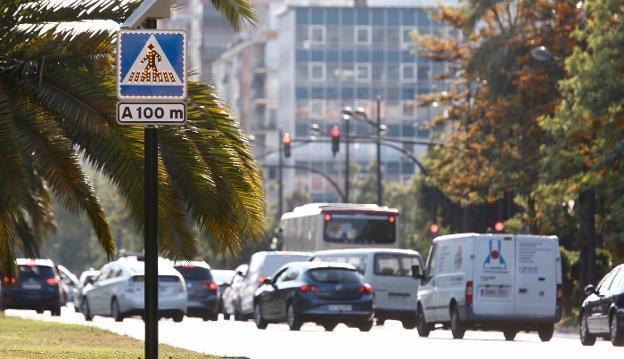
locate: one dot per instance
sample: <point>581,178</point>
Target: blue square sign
<point>151,65</point>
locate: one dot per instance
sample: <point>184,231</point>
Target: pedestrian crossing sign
<point>151,65</point>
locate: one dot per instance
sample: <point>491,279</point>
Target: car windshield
<point>194,273</point>
<point>35,272</point>
<point>335,275</point>
<point>274,262</point>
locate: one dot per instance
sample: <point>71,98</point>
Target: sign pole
<point>150,134</point>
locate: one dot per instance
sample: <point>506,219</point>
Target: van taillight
<point>469,292</point>
<point>366,289</point>
<point>559,294</point>
<point>308,288</point>
<point>53,281</point>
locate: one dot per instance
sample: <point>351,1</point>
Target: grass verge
<point>21,338</point>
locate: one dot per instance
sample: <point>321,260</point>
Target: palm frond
<point>238,12</point>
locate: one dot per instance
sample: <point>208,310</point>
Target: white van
<point>500,282</point>
<point>389,271</point>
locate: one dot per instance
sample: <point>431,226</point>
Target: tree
<point>497,96</point>
<point>585,155</point>
<point>57,102</point>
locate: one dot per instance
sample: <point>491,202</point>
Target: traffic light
<point>286,140</point>
<point>335,135</point>
<point>499,226</point>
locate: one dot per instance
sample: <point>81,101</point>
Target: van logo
<point>495,261</point>
<point>459,258</point>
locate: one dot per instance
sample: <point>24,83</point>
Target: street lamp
<point>359,114</point>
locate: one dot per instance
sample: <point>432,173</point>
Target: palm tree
<point>57,106</point>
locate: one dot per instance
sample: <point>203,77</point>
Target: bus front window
<point>359,229</point>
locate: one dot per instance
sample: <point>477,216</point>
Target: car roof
<point>319,264</point>
<point>282,253</point>
<point>34,261</point>
<point>136,265</point>
<point>367,251</point>
<point>185,263</point>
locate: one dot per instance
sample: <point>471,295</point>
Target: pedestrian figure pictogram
<point>151,65</point>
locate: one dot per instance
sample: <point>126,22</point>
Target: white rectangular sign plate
<point>149,113</point>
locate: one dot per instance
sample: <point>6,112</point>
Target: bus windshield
<point>359,228</point>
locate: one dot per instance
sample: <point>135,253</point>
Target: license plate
<point>340,307</point>
<point>495,292</point>
<point>31,286</point>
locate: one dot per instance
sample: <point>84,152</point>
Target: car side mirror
<point>416,272</point>
<point>590,289</point>
<point>89,281</point>
<point>268,280</point>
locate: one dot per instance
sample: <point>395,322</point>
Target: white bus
<point>317,226</point>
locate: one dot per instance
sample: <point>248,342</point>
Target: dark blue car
<point>602,312</point>
<point>35,287</point>
<point>320,292</point>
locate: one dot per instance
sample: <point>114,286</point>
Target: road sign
<point>151,113</point>
<point>151,65</point>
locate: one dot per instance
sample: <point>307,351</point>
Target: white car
<point>86,278</point>
<point>118,291</point>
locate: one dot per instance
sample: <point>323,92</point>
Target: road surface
<point>243,339</point>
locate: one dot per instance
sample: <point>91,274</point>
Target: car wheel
<point>56,312</point>
<point>329,326</point>
<point>546,332</point>
<point>587,339</point>
<point>84,308</point>
<point>292,319</point>
<point>421,324</point>
<point>115,311</point>
<point>40,311</point>
<point>226,316</point>
<point>457,327</point>
<point>366,326</point>
<point>260,322</point>
<point>380,321</point>
<point>409,323</point>
<point>510,334</point>
<point>178,318</point>
<point>617,334</point>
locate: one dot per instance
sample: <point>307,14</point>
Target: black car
<point>37,286</point>
<point>201,289</point>
<point>602,312</point>
<point>320,292</point>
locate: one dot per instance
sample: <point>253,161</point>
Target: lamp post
<point>379,185</point>
<point>359,114</point>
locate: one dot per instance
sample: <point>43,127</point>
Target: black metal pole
<point>151,235</point>
<point>379,186</point>
<point>280,179</point>
<point>347,162</point>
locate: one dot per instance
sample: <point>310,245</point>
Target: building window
<point>316,71</point>
<point>408,72</point>
<point>408,109</point>
<point>316,34</point>
<point>407,40</point>
<point>317,109</point>
<point>363,35</point>
<point>363,72</point>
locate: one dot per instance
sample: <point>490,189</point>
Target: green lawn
<point>21,338</point>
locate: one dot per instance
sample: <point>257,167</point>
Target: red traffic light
<point>499,226</point>
<point>286,139</point>
<point>335,131</point>
<point>434,228</point>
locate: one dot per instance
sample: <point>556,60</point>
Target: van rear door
<point>395,288</point>
<point>536,279</point>
<point>494,283</point>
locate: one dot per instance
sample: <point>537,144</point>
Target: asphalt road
<point>230,338</point>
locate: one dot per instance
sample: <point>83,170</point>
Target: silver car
<point>230,300</point>
<point>118,291</point>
